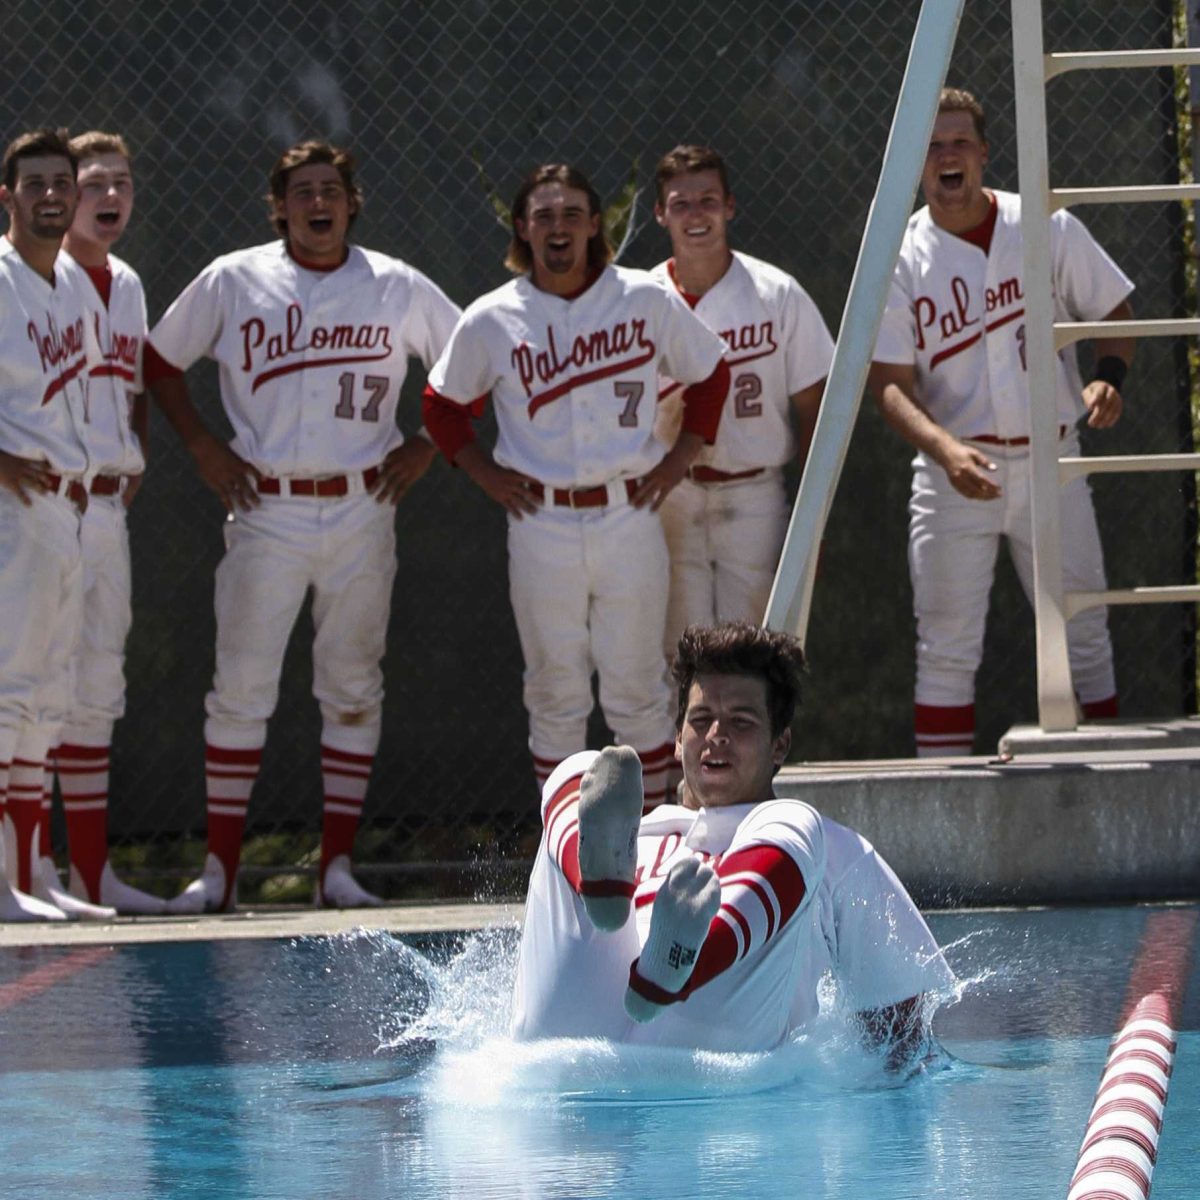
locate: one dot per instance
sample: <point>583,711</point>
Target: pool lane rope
<point>1120,1143</point>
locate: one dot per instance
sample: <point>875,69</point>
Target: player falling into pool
<point>711,926</point>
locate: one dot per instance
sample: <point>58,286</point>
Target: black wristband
<point>1111,370</point>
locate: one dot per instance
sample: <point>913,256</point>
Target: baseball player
<point>712,928</point>
<point>116,436</point>
<point>569,351</point>
<point>950,378</point>
<point>312,336</point>
<point>726,521</point>
<point>43,467</point>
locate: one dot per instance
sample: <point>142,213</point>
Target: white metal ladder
<point>1053,606</point>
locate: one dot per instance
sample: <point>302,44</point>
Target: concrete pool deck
<point>1106,813</point>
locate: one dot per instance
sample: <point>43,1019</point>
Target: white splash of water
<point>477,1066</point>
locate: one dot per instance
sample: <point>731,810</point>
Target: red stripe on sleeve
<point>703,403</point>
<point>779,870</point>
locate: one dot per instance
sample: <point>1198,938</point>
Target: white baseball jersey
<point>574,381</point>
<point>957,315</point>
<point>114,381</point>
<point>45,348</point>
<point>777,344</point>
<point>837,908</point>
<point>311,362</point>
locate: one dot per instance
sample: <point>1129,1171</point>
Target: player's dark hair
<point>688,160</point>
<point>739,648</point>
<point>960,100</point>
<point>304,154</point>
<point>37,143</point>
<point>95,142</point>
<point>519,259</point>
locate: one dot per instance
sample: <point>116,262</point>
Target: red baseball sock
<point>25,787</point>
<point>944,729</point>
<point>229,779</point>
<point>1101,710</point>
<point>344,779</point>
<point>83,781</point>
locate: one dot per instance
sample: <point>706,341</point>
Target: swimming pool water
<point>363,1066</point>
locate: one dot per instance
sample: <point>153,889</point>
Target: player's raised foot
<point>116,893</point>
<point>208,894</point>
<point>48,886</point>
<point>18,906</point>
<point>683,910</point>
<point>339,889</point>
<point>610,810</point>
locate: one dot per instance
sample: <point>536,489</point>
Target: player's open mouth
<point>951,180</point>
<point>108,218</point>
<point>51,211</point>
<point>320,224</point>
<point>698,231</point>
<point>559,243</point>
<point>714,764</point>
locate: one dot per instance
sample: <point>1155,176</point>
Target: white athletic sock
<point>683,910</point>
<point>610,810</point>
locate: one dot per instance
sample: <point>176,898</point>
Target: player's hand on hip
<point>22,476</point>
<point>133,485</point>
<point>233,479</point>
<point>1103,403</point>
<point>402,468</point>
<point>508,488</point>
<point>970,471</point>
<point>659,483</point>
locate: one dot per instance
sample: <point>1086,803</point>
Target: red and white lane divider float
<point>1120,1144</point>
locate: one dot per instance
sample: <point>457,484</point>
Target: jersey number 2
<point>377,388</point>
<point>747,390</point>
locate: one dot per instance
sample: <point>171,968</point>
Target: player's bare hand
<point>402,468</point>
<point>232,478</point>
<point>970,472</point>
<point>658,484</point>
<point>21,476</point>
<point>509,488</point>
<point>1103,403</point>
<point>133,485</point>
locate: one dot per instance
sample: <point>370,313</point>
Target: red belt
<point>329,487</point>
<point>593,497</point>
<point>704,474</point>
<point>990,439</point>
<point>108,485</point>
<point>71,488</point>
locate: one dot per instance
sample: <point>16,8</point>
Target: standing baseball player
<point>950,378</point>
<point>726,521</point>
<point>569,351</point>
<point>43,465</point>
<point>116,436</point>
<point>312,336</point>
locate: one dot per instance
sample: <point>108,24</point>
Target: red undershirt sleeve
<point>448,423</point>
<point>703,402</point>
<point>155,367</point>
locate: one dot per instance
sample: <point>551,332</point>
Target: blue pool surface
<point>365,1066</point>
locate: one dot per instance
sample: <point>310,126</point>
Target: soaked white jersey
<point>311,362</point>
<point>574,381</point>
<point>114,381</point>
<point>835,908</point>
<point>45,347</point>
<point>958,316</point>
<point>777,344</point>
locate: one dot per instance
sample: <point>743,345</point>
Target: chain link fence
<point>798,95</point>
